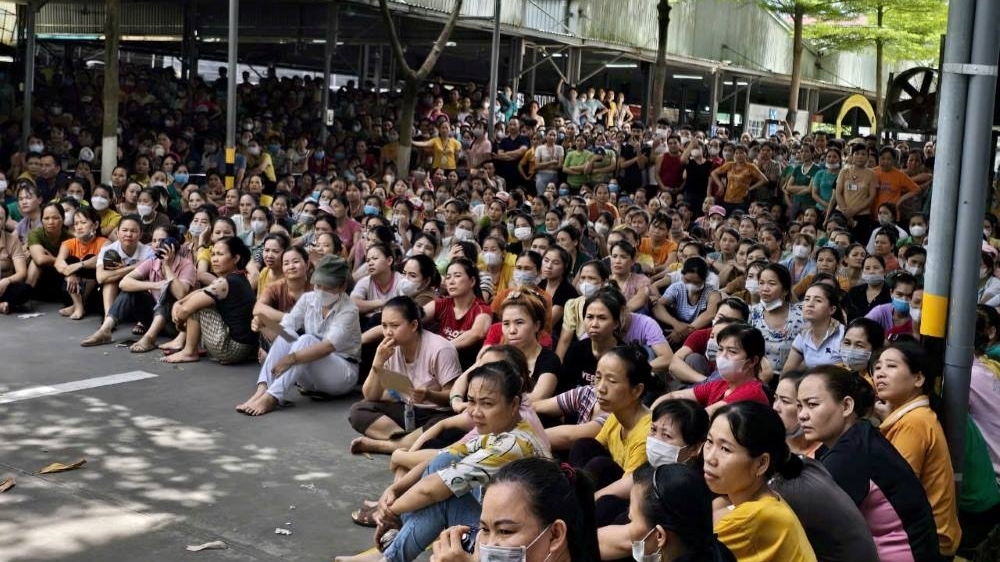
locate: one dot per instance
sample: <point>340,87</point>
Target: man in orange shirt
<point>894,186</point>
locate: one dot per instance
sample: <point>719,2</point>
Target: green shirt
<point>577,158</point>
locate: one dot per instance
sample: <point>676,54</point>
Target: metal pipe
<point>713,118</point>
<point>968,229</point>
<point>531,74</point>
<point>603,67</point>
<point>234,38</point>
<point>332,31</point>
<point>29,71</point>
<point>947,167</point>
<point>545,56</point>
<point>494,69</point>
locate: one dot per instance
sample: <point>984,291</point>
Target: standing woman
<point>217,318</point>
<point>555,264</point>
<point>819,344</point>
<point>914,430</point>
<point>778,318</point>
<point>14,291</point>
<point>744,449</point>
<point>323,359</point>
<point>548,161</point>
<point>77,260</point>
<point>833,407</point>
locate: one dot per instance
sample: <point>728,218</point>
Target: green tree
<point>900,30</point>
<point>801,13</point>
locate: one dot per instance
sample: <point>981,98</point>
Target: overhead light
<point>687,77</point>
<point>621,65</point>
<point>738,83</point>
<point>339,43</point>
<point>557,55</point>
<point>6,58</point>
<point>451,44</point>
<point>318,41</point>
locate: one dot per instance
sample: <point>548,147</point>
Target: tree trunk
<point>879,54</point>
<point>793,91</point>
<point>406,110</point>
<point>655,105</point>
<point>109,132</point>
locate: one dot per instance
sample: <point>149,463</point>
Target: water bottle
<point>409,416</point>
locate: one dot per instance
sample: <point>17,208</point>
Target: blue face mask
<point>319,155</point>
<point>315,195</point>
<point>371,210</point>
<point>564,192</point>
<point>181,178</point>
<point>900,306</point>
<point>613,187</point>
<point>338,156</point>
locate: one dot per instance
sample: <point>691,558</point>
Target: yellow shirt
<point>914,430</point>
<point>263,280</point>
<point>109,219</point>
<point>765,530</point>
<point>628,451</point>
<point>446,153</point>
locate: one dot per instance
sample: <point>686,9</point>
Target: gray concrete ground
<point>170,462</point>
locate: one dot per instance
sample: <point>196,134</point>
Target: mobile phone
<point>469,539</point>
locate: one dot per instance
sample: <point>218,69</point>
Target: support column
<point>531,73</point>
<point>713,102</point>
<point>574,62</point>
<point>30,16</point>
<point>746,110</point>
<point>379,58</point>
<point>332,36</point>
<point>112,90</point>
<point>516,66</point>
<point>491,93</point>
<point>233,66</point>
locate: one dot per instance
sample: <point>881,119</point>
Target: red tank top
<point>671,171</point>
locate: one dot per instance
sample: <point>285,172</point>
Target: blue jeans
<point>422,527</point>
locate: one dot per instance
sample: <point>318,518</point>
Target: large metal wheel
<point>911,102</point>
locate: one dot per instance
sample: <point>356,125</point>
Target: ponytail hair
<point>842,383</point>
<point>760,430</point>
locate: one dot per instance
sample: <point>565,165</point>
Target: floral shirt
<point>777,343</point>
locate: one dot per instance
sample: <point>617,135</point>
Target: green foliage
<point>909,30</point>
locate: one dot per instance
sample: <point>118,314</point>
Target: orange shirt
<point>659,253</point>
<point>891,186</point>
<point>83,250</point>
<point>739,180</point>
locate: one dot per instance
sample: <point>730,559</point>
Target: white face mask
<point>524,277</point>
<point>463,234</point>
<point>489,553</point>
<point>639,550</point>
<point>587,288</point>
<point>729,368</point>
<point>752,286</point>
<point>915,314</point>
<point>800,251</point>
<point>196,229</point>
<point>327,299</point>
<point>68,218</point>
<point>659,452</point>
<point>99,203</point>
<point>913,270</point>
<point>144,210</point>
<point>693,288</point>
<point>3,186</point>
<point>409,287</point>
<point>492,259</point>
<point>711,350</point>
<point>773,305</point>
<point>258,227</point>
<point>917,231</point>
<point>602,229</point>
<point>522,233</point>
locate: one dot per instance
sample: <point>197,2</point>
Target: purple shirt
<point>642,329</point>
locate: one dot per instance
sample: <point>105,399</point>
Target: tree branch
<point>397,45</point>
<point>442,39</point>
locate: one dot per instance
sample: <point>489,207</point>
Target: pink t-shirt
<point>151,270</point>
<point>711,392</point>
<point>435,365</point>
<point>886,526</point>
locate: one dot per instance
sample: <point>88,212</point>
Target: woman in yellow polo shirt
<point>446,148</point>
<point>914,430</point>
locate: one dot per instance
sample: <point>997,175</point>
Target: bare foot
<point>142,346</point>
<point>261,405</point>
<point>67,310</point>
<point>261,390</point>
<point>175,344</point>
<point>371,555</point>
<point>181,357</point>
<point>78,313</point>
<point>368,445</point>
<point>4,308</point>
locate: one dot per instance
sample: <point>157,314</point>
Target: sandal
<point>142,346</point>
<point>365,516</point>
<point>139,329</point>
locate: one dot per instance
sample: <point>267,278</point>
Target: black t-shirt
<point>507,169</point>
<point>547,362</point>
<point>237,308</point>
<point>696,184</point>
<point>856,302</point>
<point>631,176</point>
<point>579,367</point>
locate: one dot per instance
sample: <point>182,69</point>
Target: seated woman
<point>199,231</point>
<point>325,358</point>
<point>556,284</point>
<point>777,317</point>
<point>635,286</point>
<point>862,337</point>
<point>593,275</point>
<point>873,290</point>
<point>442,493</point>
<point>531,501</point>
<point>461,316</point>
<point>141,298</point>
<point>741,352</point>
<point>14,290</point>
<point>380,285</point>
<point>833,407</point>
<point>622,377</point>
<point>118,259</point>
<point>744,449</point>
<point>44,244</point>
<point>281,295</point>
<point>152,213</point>
<point>77,260</point>
<point>223,227</point>
<point>526,274</point>
<point>268,270</point>
<point>217,318</point>
<point>670,515</point>
<point>427,360</point>
<point>827,261</point>
<point>819,343</point>
<point>676,434</point>
<point>914,430</point>
<point>102,200</point>
<point>688,306</point>
<point>602,316</point>
<point>497,263</point>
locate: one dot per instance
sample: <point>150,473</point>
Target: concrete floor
<point>170,463</point>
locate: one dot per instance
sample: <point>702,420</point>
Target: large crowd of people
<point>577,336</point>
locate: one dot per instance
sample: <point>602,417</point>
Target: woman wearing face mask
<point>800,263</point>
<point>593,275</point>
<point>462,316</point>
<point>834,404</point>
<point>745,448</point>
<point>620,379</point>
<point>820,342</point>
<point>526,274</point>
<point>872,292</point>
<point>741,351</point>
<point>894,317</point>
<point>917,235</point>
<point>914,430</point>
<point>323,359</point>
<point>533,510</point>
<point>778,319</point>
<point>218,317</point>
<point>862,337</point>
<point>259,161</point>
<point>77,260</point>
<point>688,306</point>
<point>497,263</point>
<point>524,229</point>
<point>852,267</point>
<point>102,200</point>
<point>886,219</point>
<point>824,181</point>
<point>670,517</point>
<point>261,221</point>
<point>150,215</point>
<point>827,262</point>
<point>676,434</point>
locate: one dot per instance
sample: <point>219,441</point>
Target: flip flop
<point>315,395</point>
<point>95,341</point>
<point>150,346</point>
<point>139,329</point>
<point>365,516</point>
